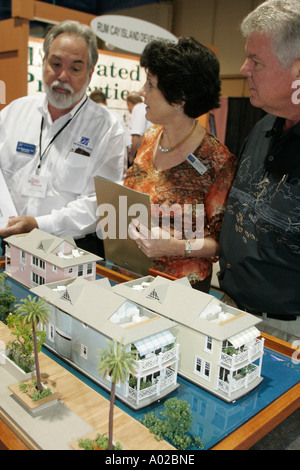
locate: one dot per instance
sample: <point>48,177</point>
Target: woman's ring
<point>140,245</point>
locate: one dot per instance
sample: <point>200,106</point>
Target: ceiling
<point>94,7</point>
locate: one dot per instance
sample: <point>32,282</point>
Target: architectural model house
<point>219,345</point>
<point>85,314</point>
<point>37,257</point>
<point>220,349</point>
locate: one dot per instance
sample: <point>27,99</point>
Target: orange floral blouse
<point>185,187</point>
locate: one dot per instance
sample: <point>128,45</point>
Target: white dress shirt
<point>92,143</point>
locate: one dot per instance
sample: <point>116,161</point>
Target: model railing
<point>156,361</point>
<point>246,355</point>
<point>161,383</point>
<point>238,381</point>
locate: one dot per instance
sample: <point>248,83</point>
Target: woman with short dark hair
<point>187,73</point>
<point>179,164</point>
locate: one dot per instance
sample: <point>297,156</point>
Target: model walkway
<point>81,411</point>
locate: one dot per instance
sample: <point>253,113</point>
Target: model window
<point>38,262</point>
<point>223,374</point>
<point>42,264</point>
<point>202,368</point>
<point>198,365</point>
<point>84,351</point>
<point>207,369</point>
<point>51,332</point>
<point>208,345</point>
<point>80,270</point>
<point>39,280</point>
<point>23,256</point>
<point>89,268</point>
<point>35,261</point>
<point>54,268</point>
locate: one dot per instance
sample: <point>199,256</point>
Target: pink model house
<point>37,258</point>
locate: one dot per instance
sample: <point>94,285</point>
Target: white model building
<point>85,314</point>
<point>220,349</point>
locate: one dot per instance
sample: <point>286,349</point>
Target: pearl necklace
<point>169,149</point>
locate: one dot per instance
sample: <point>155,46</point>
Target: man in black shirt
<point>260,236</point>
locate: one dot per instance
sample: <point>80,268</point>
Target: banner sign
<point>127,33</point>
<point>115,74</point>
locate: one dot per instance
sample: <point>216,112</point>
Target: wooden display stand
<point>241,439</point>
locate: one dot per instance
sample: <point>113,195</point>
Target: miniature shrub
<point>86,444</point>
<point>132,382</point>
<point>230,350</point>
<point>38,395</point>
<point>23,387</point>
<point>32,391</point>
<point>173,424</point>
<point>22,348</point>
<point>146,384</point>
<point>101,442</point>
<point>7,299</point>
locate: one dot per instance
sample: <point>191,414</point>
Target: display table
<point>248,431</point>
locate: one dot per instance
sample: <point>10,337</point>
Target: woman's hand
<point>156,242</point>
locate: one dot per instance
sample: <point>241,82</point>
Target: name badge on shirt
<point>196,164</point>
<point>82,147</point>
<point>28,149</point>
<point>35,186</point>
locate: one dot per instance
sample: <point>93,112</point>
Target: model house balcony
<point>154,361</point>
<point>242,379</point>
<point>154,377</point>
<point>232,358</point>
<point>159,387</point>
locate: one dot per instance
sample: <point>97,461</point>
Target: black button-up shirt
<point>260,236</point>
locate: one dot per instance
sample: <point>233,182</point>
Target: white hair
<point>76,29</point>
<point>280,20</point>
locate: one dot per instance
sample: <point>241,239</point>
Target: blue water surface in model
<point>214,419</point>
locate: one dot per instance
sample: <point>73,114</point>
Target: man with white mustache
<point>56,142</point>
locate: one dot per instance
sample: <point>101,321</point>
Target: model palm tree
<point>33,312</point>
<point>117,361</point>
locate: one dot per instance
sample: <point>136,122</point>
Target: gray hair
<point>76,29</point>
<point>280,20</point>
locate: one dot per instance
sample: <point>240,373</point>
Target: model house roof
<point>179,302</point>
<point>95,304</point>
<point>61,252</point>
